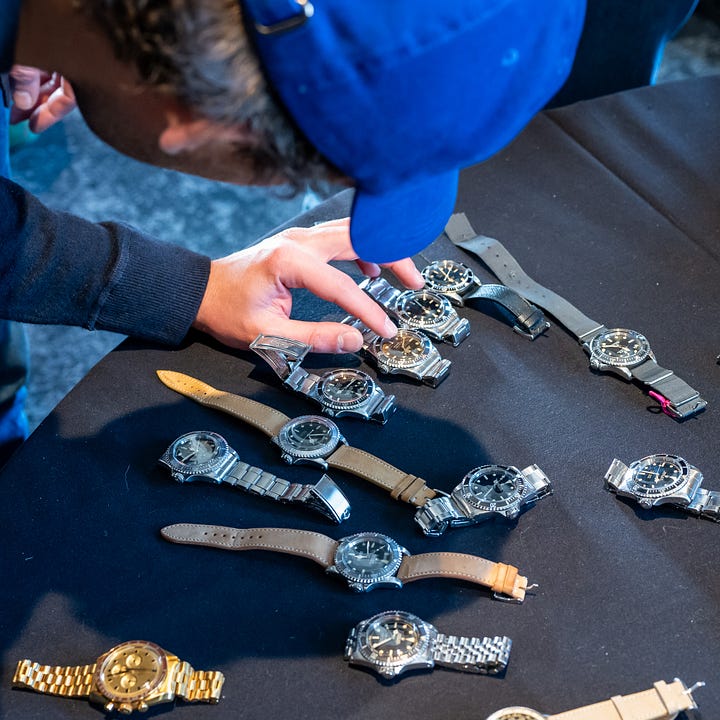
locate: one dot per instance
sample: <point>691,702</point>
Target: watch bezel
<point>207,468</point>
<point>413,321</point>
<point>404,361</point>
<point>466,493</point>
<point>330,375</point>
<point>516,712</point>
<point>671,488</point>
<point>603,358</point>
<point>389,570</point>
<point>322,451</point>
<point>458,286</point>
<point>390,668</point>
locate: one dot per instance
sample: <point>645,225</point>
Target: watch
<point>205,455</point>
<point>664,479</point>
<point>459,284</point>
<point>422,310</point>
<point>340,392</point>
<point>409,353</point>
<point>131,676</point>
<point>621,351</point>
<point>664,701</point>
<point>366,560</point>
<point>394,641</point>
<point>485,492</point>
<point>308,439</point>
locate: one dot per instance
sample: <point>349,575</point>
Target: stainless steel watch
<point>340,392</point>
<point>486,492</point>
<point>664,701</point>
<point>205,455</point>
<point>423,310</point>
<point>365,560</point>
<point>664,479</point>
<point>620,351</point>
<point>459,284</point>
<point>409,353</point>
<point>394,642</point>
<point>131,676</point>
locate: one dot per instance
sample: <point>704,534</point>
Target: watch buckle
<point>509,598</point>
<point>328,499</point>
<point>665,405</point>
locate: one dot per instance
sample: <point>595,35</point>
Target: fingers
<point>58,104</point>
<point>407,273</point>
<point>25,82</point>
<point>324,337</point>
<point>39,97</point>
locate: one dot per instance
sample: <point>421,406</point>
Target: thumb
<point>25,82</point>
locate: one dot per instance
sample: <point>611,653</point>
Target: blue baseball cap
<point>400,95</point>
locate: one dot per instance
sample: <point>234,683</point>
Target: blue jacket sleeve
<point>57,268</point>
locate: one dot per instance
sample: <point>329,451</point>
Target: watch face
<point>423,308</point>
<point>367,558</point>
<point>407,349</point>
<point>196,453</point>
<point>657,476</point>
<point>619,347</point>
<point>492,487</point>
<point>309,436</point>
<point>447,276</point>
<point>347,388</point>
<point>516,713</point>
<point>392,639</point>
<point>130,671</point>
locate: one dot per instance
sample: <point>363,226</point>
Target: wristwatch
<point>422,310</point>
<point>409,353</point>
<point>459,284</point>
<point>131,676</point>
<point>394,641</point>
<point>485,492</point>
<point>664,701</point>
<point>308,439</point>
<point>366,560</point>
<point>205,455</point>
<point>621,351</point>
<point>664,479</point>
<point>340,392</point>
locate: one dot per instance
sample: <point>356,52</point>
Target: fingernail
<point>390,328</point>
<point>23,100</point>
<point>349,342</point>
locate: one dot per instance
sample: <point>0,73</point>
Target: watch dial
<point>407,349</point>
<point>422,308</point>
<point>620,347</point>
<point>516,713</point>
<point>492,487</point>
<point>130,671</point>
<point>195,449</point>
<point>309,436</point>
<point>657,475</point>
<point>393,638</point>
<point>345,388</point>
<point>447,276</point>
<point>367,557</point>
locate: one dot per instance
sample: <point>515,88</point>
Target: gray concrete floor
<point>69,169</point>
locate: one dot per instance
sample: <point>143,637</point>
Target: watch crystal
<point>516,713</point>
<point>619,347</point>
<point>492,487</point>
<point>407,349</point>
<point>346,388</point>
<point>366,558</point>
<point>423,308</point>
<point>656,476</point>
<point>447,276</point>
<point>130,671</point>
<point>391,639</point>
<point>196,453</point>
<point>309,436</point>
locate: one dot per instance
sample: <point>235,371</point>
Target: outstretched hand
<point>39,97</point>
<point>248,292</point>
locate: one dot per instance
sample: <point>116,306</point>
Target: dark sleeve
<point>57,268</point>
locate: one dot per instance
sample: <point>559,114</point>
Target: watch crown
<point>124,708</point>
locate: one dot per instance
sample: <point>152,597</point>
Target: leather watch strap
<point>68,680</point>
<point>501,578</point>
<point>256,414</point>
<point>302,543</point>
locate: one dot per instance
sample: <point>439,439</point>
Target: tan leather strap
<point>503,579</point>
<point>256,414</point>
<point>401,485</point>
<point>68,680</point>
<point>303,543</point>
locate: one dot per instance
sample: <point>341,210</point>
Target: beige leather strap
<point>303,543</point>
<point>256,414</point>
<point>198,685</point>
<point>69,680</point>
<point>401,485</point>
<point>662,702</point>
<point>503,579</point>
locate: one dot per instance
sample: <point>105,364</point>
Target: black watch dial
<point>619,347</point>
<point>423,308</point>
<point>493,487</point>
<point>343,389</point>
<point>657,476</point>
<point>196,453</point>
<point>393,638</point>
<point>367,558</point>
<point>407,349</point>
<point>309,436</point>
<point>447,276</point>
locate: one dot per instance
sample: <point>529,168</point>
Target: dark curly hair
<point>198,51</point>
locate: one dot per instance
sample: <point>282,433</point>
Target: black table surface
<point>614,204</point>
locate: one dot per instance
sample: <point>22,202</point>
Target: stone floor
<point>69,169</point>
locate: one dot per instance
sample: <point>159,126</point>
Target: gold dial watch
<point>131,676</point>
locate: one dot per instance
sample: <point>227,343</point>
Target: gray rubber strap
<point>508,271</point>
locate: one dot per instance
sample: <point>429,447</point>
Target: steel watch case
<point>617,350</point>
<point>516,713</point>
<point>508,487</point>
<point>452,279</point>
<point>308,439</point>
<point>199,455</point>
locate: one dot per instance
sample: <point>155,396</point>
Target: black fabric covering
<point>612,203</point>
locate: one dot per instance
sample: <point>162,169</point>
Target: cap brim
<point>400,222</point>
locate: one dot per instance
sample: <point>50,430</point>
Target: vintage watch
<point>485,492</point>
<point>205,455</point>
<point>664,701</point>
<point>459,284</point>
<point>131,676</point>
<point>308,439</point>
<point>664,479</point>
<point>621,351</point>
<point>422,310</point>
<point>340,392</point>
<point>394,641</point>
<point>410,353</point>
<point>366,560</point>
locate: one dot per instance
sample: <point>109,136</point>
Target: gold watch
<point>131,676</point>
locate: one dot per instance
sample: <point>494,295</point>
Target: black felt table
<point>614,204</point>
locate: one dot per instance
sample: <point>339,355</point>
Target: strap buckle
<point>328,499</point>
<point>671,409</point>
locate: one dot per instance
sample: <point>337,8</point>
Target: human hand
<point>39,97</point>
<point>248,292</point>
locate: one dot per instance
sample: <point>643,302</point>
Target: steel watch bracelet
<point>488,655</point>
<point>705,503</point>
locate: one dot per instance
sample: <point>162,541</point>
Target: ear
<point>184,133</point>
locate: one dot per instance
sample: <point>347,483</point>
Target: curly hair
<point>199,52</point>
